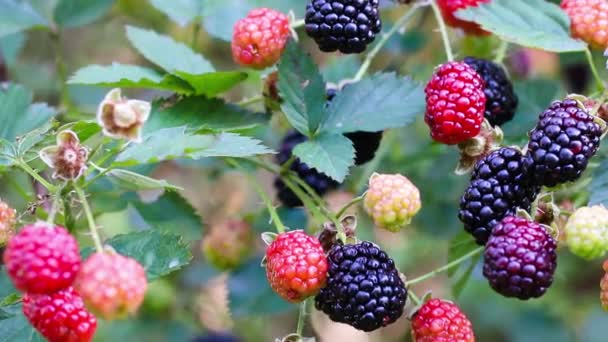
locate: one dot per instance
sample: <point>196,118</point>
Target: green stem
<point>306,200</point>
<point>444,31</point>
<point>90,219</point>
<point>102,172</point>
<point>195,32</point>
<point>61,69</point>
<point>285,167</point>
<point>413,297</point>
<point>385,38</point>
<point>25,167</point>
<point>446,267</point>
<point>596,75</point>
<point>250,101</point>
<point>55,205</point>
<point>274,216</point>
<point>301,318</point>
<point>349,204</point>
<point>501,53</point>
<point>297,24</point>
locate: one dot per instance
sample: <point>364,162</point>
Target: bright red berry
<point>296,266</point>
<point>455,103</point>
<point>61,316</point>
<point>588,20</point>
<point>258,40</point>
<point>449,7</point>
<point>441,321</point>
<point>42,258</point>
<point>111,285</point>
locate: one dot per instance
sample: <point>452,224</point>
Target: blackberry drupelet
<point>365,143</point>
<point>345,25</point>
<point>499,185</point>
<point>318,181</point>
<point>363,289</point>
<point>501,100</point>
<point>520,258</point>
<point>562,143</point>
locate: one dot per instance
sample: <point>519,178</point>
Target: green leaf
<point>17,113</point>
<point>180,11</point>
<point>128,76</point>
<point>11,46</point>
<point>74,13</point>
<point>302,90</point>
<point>212,83</point>
<point>129,180</point>
<point>31,138</point>
<point>160,253</point>
<point>168,54</point>
<point>532,23</point>
<point>18,15</point>
<point>382,101</point>
<point>200,112</point>
<point>85,129</point>
<point>171,212</point>
<point>331,154</point>
<point>14,327</point>
<point>250,294</point>
<point>598,189</point>
<point>173,143</point>
<point>460,245</point>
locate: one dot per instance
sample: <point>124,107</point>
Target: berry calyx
<point>588,20</point>
<point>60,316</point>
<point>501,100</point>
<point>296,266</point>
<point>42,258</point>
<point>364,288</point>
<point>392,201</point>
<point>562,143</point>
<point>440,320</point>
<point>344,25</point>
<point>449,7</point>
<point>455,103</point>
<point>587,232</point>
<point>520,258</point>
<point>258,39</point>
<point>112,286</point>
<point>499,186</point>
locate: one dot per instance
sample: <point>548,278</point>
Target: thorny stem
<point>274,216</point>
<point>501,53</point>
<point>446,267</point>
<point>596,75</point>
<point>444,31</point>
<point>401,22</point>
<point>302,318</point>
<point>89,214</point>
<point>349,204</point>
<point>25,167</point>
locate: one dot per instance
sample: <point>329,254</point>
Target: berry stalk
<point>89,214</point>
<point>401,22</point>
<point>350,204</point>
<point>446,267</point>
<point>302,317</point>
<point>596,75</point>
<point>444,31</point>
<point>55,205</point>
<point>501,53</point>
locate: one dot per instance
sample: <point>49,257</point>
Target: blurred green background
<point>199,299</point>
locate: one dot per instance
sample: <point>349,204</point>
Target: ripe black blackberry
<point>499,185</point>
<point>501,100</point>
<point>345,25</point>
<point>365,143</point>
<point>318,181</point>
<point>562,143</point>
<point>520,258</point>
<point>363,288</point>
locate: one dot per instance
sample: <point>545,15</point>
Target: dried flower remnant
<point>68,158</point>
<point>122,118</point>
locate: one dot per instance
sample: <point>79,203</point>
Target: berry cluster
<point>588,20</point>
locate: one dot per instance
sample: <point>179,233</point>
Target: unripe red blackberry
<point>7,222</point>
<point>441,321</point>
<point>562,143</point>
<point>520,258</point>
<point>449,7</point>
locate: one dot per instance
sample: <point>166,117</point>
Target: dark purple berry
<point>499,186</point>
<point>520,258</point>
<point>344,25</point>
<point>562,143</point>
<point>501,100</point>
<point>363,288</point>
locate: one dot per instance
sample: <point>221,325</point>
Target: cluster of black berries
<point>519,254</point>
